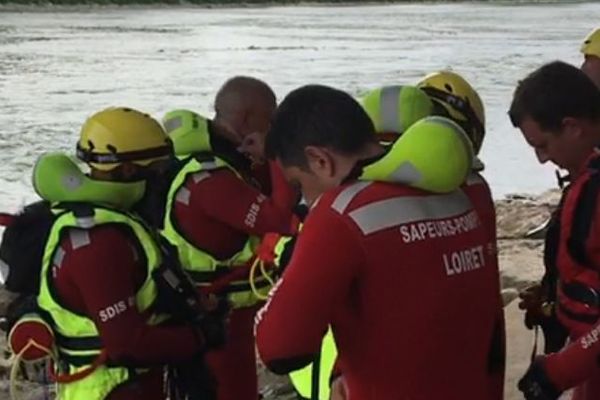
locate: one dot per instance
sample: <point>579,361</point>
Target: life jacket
<point>29,252</point>
<point>578,288</point>
<point>200,152</point>
<point>201,266</point>
<point>79,360</point>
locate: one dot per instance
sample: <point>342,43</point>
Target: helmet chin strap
<point>562,180</point>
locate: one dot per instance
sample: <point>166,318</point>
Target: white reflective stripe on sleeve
<point>183,196</point>
<point>474,179</point>
<point>396,211</point>
<point>79,238</point>
<point>344,198</point>
<point>200,176</point>
<point>4,270</point>
<point>59,256</point>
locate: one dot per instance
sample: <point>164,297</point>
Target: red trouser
<point>234,366</point>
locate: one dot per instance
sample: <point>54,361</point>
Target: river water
<point>57,66</point>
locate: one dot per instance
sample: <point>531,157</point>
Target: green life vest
<point>78,343</point>
<point>202,267</point>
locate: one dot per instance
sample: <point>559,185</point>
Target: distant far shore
<point>35,5</point>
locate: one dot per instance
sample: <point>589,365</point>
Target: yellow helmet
<point>458,101</point>
<point>591,43</point>
<point>119,134</point>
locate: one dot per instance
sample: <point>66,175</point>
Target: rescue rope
<point>16,363</point>
<point>258,263</point>
<point>58,378</point>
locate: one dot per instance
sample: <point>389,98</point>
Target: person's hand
<point>339,390</point>
<point>533,299</point>
<point>536,384</point>
<point>253,147</point>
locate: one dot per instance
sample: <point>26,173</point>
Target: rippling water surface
<point>57,67</point>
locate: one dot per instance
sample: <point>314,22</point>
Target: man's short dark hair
<point>553,92</point>
<point>316,115</point>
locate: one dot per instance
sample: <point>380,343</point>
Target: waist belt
<point>79,351</point>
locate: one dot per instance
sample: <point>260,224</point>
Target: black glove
<point>191,380</point>
<point>536,385</point>
<point>213,324</point>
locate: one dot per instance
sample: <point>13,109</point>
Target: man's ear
<point>319,161</point>
<point>572,126</point>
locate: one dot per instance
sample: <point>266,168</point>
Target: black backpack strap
<point>583,217</point>
<point>80,210</point>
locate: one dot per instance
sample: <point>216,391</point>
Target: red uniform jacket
<point>578,309</point>
<point>408,281</point>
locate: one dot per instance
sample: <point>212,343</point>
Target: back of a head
<point>553,92</point>
<point>322,116</point>
<point>242,92</point>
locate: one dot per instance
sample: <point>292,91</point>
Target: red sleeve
<point>106,274</point>
<point>290,327</point>
<point>579,361</point>
<point>237,204</point>
<point>575,363</point>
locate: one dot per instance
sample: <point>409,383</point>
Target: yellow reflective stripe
<point>388,213</point>
<point>344,198</point>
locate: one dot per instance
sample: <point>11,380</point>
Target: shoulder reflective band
<point>112,158</point>
<point>395,211</point>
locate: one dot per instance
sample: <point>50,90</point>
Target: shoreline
<point>108,5</point>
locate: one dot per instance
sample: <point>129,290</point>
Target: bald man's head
<point>245,105</point>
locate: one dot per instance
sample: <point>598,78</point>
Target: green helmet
<point>393,109</point>
<point>188,131</point>
<point>434,154</point>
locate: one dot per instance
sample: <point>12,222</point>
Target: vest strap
<point>582,219</point>
<point>585,318</point>
<point>581,294</point>
<point>84,343</point>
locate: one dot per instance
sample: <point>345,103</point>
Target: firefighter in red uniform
<point>99,285</point>
<point>557,108</point>
<point>394,247</point>
<point>218,206</point>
